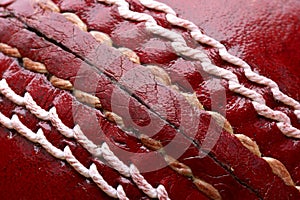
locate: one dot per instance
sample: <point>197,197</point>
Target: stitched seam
<point>196,180</point>
<point>263,110</point>
<point>76,133</point>
<point>94,150</point>
<point>166,80</point>
<point>225,55</point>
<point>66,154</point>
<point>197,35</point>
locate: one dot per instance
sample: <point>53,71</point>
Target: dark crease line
<point>235,177</point>
<point>110,77</point>
<point>114,81</point>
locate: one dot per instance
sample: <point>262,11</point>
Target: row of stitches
<point>76,132</point>
<point>179,45</point>
<point>94,150</point>
<point>196,34</point>
<point>103,151</point>
<point>276,166</point>
<point>66,154</point>
<point>160,74</point>
<point>135,58</point>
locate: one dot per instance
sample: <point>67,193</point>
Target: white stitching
<point>114,161</point>
<point>143,184</point>
<point>135,174</point>
<point>200,37</point>
<point>98,179</point>
<point>262,110</point>
<point>76,132</point>
<point>75,163</point>
<point>63,155</point>
<point>10,94</point>
<point>121,193</point>
<point>100,154</point>
<point>5,121</point>
<point>180,47</point>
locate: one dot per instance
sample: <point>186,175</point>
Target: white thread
<point>5,121</point>
<point>161,193</point>
<point>57,123</point>
<point>120,193</point>
<point>75,163</point>
<point>67,155</point>
<point>180,47</point>
<point>34,137</point>
<point>114,161</point>
<point>42,140</point>
<point>31,105</point>
<point>10,94</point>
<point>86,143</point>
<point>23,130</point>
<point>225,55</point>
<point>34,108</point>
<point>288,129</point>
<point>142,183</point>
<point>276,115</point>
<point>98,179</point>
<point>158,6</point>
<point>76,132</point>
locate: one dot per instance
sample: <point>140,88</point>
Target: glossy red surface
<point>265,34</point>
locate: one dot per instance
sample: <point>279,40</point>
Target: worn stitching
<point>196,34</point>
<point>134,58</point>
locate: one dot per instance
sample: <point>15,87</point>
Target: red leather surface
<point>265,34</point>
